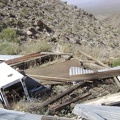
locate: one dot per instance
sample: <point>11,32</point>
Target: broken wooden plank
<point>55,118</point>
<point>92,66</point>
<point>58,107</point>
<point>44,82</point>
<point>112,103</point>
<point>59,96</point>
<point>104,100</point>
<point>91,58</point>
<point>48,78</point>
<point>100,63</point>
<point>96,75</point>
<point>51,53</point>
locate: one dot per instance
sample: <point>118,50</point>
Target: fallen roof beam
<point>48,78</point>
<point>96,75</point>
<point>59,96</point>
<point>51,53</point>
<point>55,118</point>
<point>100,63</point>
<point>57,107</point>
<point>104,100</point>
<point>91,58</point>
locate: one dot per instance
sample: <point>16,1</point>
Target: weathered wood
<point>92,66</point>
<point>44,82</point>
<point>104,100</point>
<point>59,96</point>
<point>51,53</point>
<point>96,75</point>
<point>91,58</point>
<point>55,118</point>
<point>112,103</point>
<point>55,108</point>
<point>100,63</point>
<point>48,78</point>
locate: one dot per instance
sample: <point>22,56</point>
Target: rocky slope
<point>57,23</point>
<point>113,20</point>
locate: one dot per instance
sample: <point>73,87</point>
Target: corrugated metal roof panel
<point>77,70</point>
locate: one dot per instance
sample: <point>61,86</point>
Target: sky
<point>97,7</point>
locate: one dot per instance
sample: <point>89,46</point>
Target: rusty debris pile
<point>58,84</point>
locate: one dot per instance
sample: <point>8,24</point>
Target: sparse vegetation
<point>9,35</point>
<point>67,48</point>
<point>116,63</point>
<point>9,48</point>
<point>39,46</point>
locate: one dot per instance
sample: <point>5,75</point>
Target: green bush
<point>9,35</point>
<point>116,63</point>
<point>9,48</point>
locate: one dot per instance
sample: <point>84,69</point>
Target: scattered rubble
<point>51,89</point>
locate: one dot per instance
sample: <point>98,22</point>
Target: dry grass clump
<point>100,53</point>
<point>31,106</point>
<point>9,48</point>
<point>36,46</point>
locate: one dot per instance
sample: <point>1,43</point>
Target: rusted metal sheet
<point>26,61</point>
<point>23,58</point>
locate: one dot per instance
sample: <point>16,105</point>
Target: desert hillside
<point>54,23</point>
<point>113,20</point>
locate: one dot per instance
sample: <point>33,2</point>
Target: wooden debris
<point>96,75</point>
<point>100,63</point>
<point>55,108</point>
<point>43,82</point>
<point>59,96</point>
<point>91,58</point>
<point>104,100</point>
<point>51,53</point>
<point>55,118</point>
<point>92,66</point>
<point>48,78</point>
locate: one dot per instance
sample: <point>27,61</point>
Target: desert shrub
<point>4,1</point>
<point>9,35</point>
<point>9,48</point>
<point>67,48</point>
<point>116,63</point>
<point>39,46</point>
